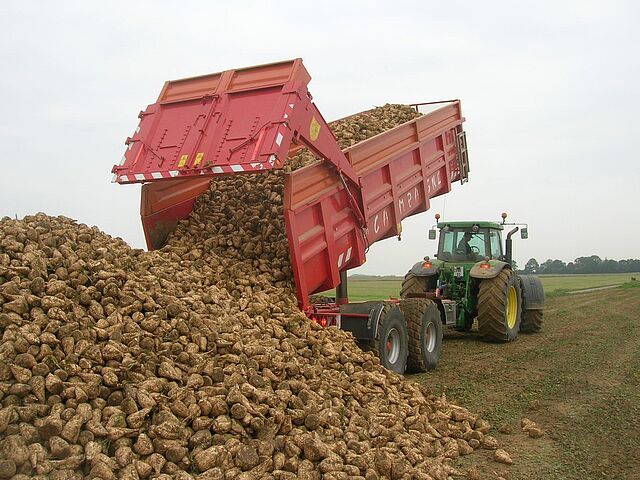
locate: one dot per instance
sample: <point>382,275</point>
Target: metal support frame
<point>342,295</point>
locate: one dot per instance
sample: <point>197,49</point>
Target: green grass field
<point>378,288</point>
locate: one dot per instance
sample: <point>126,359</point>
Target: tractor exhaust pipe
<point>508,244</point>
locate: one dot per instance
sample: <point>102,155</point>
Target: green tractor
<point>472,278</point>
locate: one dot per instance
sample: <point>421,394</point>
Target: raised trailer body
<point>246,121</point>
<point>249,120</point>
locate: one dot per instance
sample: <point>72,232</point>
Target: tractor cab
<point>469,242</point>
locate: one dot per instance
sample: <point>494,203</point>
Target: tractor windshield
<point>463,245</point>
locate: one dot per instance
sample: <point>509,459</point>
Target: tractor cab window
<point>461,245</point>
<point>447,243</point>
<point>496,244</point>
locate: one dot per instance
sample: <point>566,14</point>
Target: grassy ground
<point>579,380</point>
<point>372,288</point>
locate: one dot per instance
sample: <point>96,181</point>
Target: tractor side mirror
<point>524,233</point>
<point>432,234</point>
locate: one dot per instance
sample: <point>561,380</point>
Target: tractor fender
<point>532,292</point>
<point>495,267</point>
<point>419,269</point>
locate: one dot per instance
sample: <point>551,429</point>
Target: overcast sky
<point>550,91</point>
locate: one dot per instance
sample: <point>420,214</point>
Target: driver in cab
<point>463,246</point>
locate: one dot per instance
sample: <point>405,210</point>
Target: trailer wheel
<point>412,284</point>
<point>499,307</point>
<point>425,334</point>
<point>531,321</point>
<point>391,344</point>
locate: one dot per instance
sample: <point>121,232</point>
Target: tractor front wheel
<point>499,307</point>
<point>425,334</point>
<point>391,344</point>
<point>412,284</point>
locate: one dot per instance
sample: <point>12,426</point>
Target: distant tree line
<point>592,264</point>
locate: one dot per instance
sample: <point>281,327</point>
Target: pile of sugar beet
<point>194,361</point>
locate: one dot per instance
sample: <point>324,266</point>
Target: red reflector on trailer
<point>323,321</point>
<point>485,265</point>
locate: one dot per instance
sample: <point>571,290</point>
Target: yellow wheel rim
<point>512,307</point>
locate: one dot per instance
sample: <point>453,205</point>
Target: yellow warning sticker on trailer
<point>183,161</point>
<point>199,157</point>
<point>314,129</point>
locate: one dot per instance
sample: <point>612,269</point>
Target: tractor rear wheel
<point>412,284</point>
<point>391,344</point>
<point>425,334</point>
<point>531,321</point>
<point>499,307</point>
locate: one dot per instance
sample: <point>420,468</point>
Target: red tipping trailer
<point>248,120</point>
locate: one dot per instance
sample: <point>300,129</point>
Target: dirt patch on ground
<point>579,380</point>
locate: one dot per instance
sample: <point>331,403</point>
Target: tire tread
<point>413,310</point>
<point>492,305</point>
<point>412,284</point>
<point>532,321</point>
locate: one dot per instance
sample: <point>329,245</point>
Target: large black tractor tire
<point>531,321</point>
<point>500,307</point>
<point>391,344</point>
<point>425,334</point>
<point>412,284</point>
